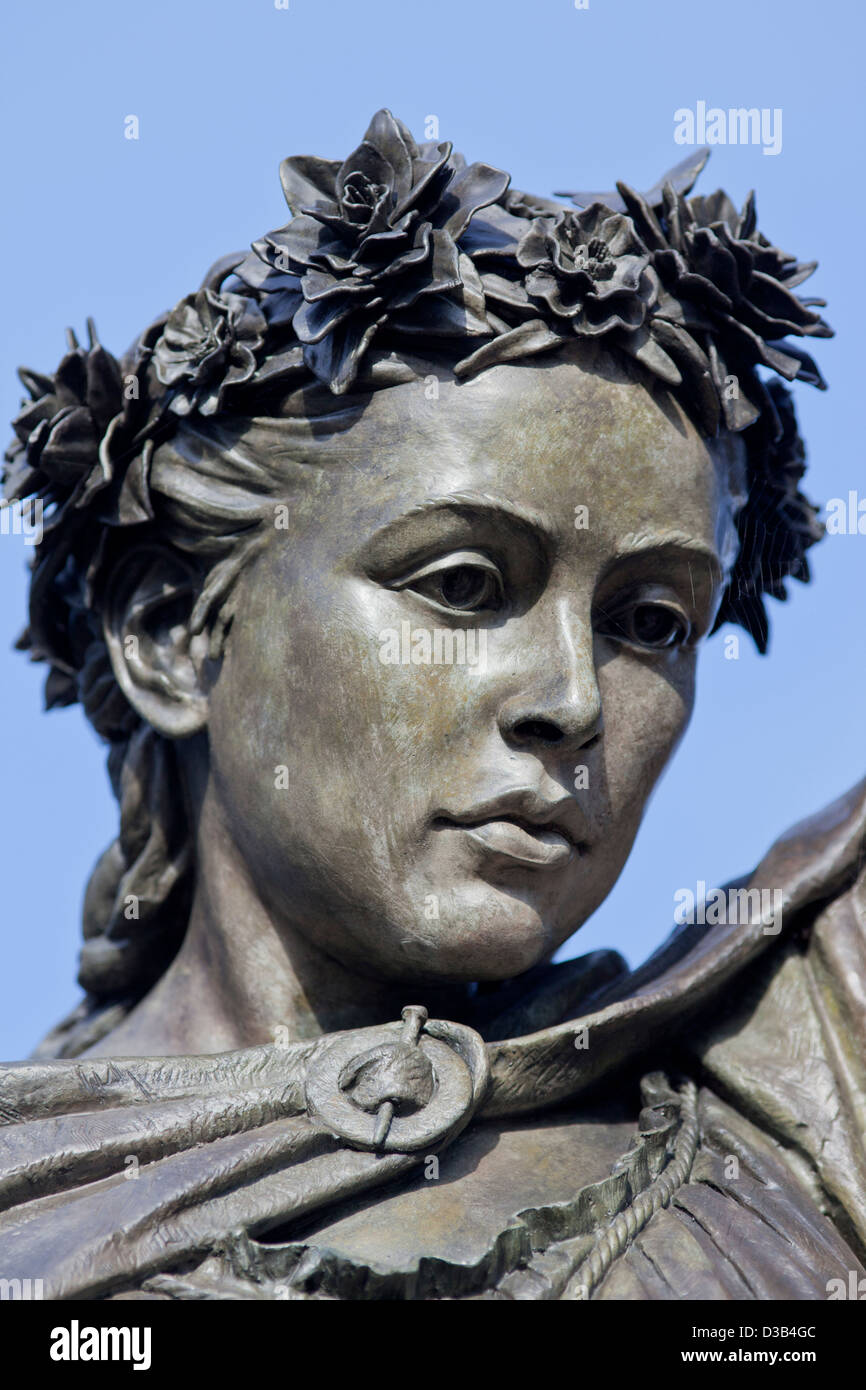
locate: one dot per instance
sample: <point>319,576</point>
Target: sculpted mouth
<point>540,844</point>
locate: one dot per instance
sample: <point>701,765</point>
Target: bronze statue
<point>382,564</point>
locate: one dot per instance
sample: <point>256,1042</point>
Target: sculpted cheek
<point>646,711</point>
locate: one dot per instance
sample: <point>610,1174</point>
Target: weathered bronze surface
<point>382,563</point>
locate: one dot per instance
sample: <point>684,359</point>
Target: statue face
<point>459,819</point>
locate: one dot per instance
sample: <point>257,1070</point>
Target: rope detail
<point>632,1219</point>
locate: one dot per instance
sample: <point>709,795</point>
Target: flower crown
<point>407,246</point>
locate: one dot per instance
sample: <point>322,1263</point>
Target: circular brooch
<point>414,1085</point>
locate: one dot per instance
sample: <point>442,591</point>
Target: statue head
<point>382,562</point>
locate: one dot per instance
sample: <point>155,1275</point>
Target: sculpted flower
<point>725,285</point>
<point>374,242</point>
<point>718,255</point>
<point>208,345</point>
<point>58,432</point>
<point>589,268</point>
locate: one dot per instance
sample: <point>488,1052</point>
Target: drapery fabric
<point>116,1173</point>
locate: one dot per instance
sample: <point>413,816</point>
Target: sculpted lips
<point>521,827</point>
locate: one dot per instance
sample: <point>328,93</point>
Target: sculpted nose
<point>560,702</point>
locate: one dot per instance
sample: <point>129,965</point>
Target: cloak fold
<point>119,1171</point>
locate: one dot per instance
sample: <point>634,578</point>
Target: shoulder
<point>790,1048</point>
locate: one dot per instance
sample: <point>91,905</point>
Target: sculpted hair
<point>401,256</point>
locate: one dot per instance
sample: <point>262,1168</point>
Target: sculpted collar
<point>249,1140</point>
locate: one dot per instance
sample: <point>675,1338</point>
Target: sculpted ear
<point>157,663</point>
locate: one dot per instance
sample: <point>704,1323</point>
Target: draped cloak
<point>694,1129</point>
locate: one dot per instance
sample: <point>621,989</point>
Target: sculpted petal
<point>306,179</point>
<point>472,188</point>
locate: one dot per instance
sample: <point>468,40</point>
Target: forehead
<point>544,439</point>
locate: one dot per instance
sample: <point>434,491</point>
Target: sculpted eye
<point>466,587</point>
<point>654,625</point>
<point>465,583</point>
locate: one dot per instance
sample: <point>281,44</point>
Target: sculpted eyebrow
<point>495,511</point>
<point>672,545</point>
<point>679,542</point>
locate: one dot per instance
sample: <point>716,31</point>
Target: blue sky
<point>559,96</point>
